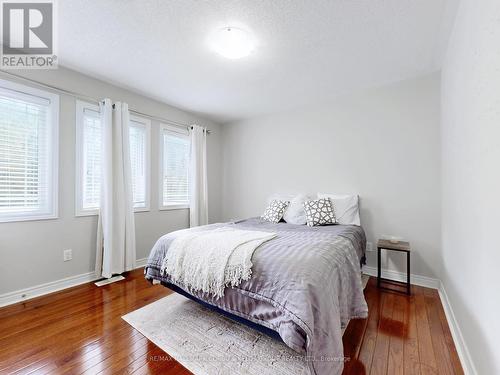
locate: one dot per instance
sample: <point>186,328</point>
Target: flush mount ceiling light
<point>232,42</point>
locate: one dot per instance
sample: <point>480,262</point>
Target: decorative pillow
<point>345,207</point>
<point>275,211</point>
<point>319,212</point>
<point>295,213</point>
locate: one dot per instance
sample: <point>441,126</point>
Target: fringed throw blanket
<point>211,260</point>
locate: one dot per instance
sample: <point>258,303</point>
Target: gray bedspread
<point>305,285</point>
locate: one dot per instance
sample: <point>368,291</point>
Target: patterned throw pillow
<point>275,211</point>
<point>319,212</point>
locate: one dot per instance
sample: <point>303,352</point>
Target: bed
<point>305,286</point>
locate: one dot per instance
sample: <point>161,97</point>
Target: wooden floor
<point>80,330</point>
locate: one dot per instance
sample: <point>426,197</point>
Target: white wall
<point>31,252</point>
<point>382,144</point>
<point>471,179</point>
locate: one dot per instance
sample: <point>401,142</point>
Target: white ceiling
<point>308,51</point>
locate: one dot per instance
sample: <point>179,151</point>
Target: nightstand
<point>400,246</point>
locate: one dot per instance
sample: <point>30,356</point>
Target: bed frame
<point>239,319</point>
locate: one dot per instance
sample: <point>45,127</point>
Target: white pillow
<point>345,207</point>
<point>295,213</point>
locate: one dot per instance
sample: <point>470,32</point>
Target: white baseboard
<point>419,280</point>
<point>139,263</point>
<point>53,286</point>
<point>462,349</point>
<point>42,289</point>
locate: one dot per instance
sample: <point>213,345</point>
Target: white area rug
<point>206,342</point>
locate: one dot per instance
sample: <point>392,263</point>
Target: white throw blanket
<point>211,260</point>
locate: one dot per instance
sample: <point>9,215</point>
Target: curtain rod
<point>94,100</point>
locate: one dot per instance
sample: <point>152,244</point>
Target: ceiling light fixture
<point>232,42</point>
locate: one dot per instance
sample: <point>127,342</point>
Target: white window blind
<point>92,158</point>
<point>139,134</point>
<point>28,153</point>
<point>88,158</point>
<point>175,188</point>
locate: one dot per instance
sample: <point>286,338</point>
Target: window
<point>89,157</point>
<point>140,133</point>
<point>28,153</point>
<point>174,187</point>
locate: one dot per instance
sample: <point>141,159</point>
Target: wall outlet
<point>369,246</point>
<point>67,255</point>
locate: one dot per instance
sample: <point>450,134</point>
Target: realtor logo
<point>28,35</point>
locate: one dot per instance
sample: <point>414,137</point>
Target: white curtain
<point>198,191</point>
<point>116,227</point>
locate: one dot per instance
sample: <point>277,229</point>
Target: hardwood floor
<point>80,330</point>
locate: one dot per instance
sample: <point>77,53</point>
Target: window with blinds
<point>28,153</point>
<point>175,163</point>
<point>139,135</point>
<point>89,158</point>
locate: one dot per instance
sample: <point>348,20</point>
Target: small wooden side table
<point>400,246</point>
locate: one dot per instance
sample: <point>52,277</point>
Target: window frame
<point>80,107</point>
<point>52,149</point>
<point>177,131</point>
<point>147,162</point>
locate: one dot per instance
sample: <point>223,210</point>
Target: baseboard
<point>456,333</point>
<point>53,286</point>
<point>419,280</point>
<point>139,263</point>
<point>42,289</point>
